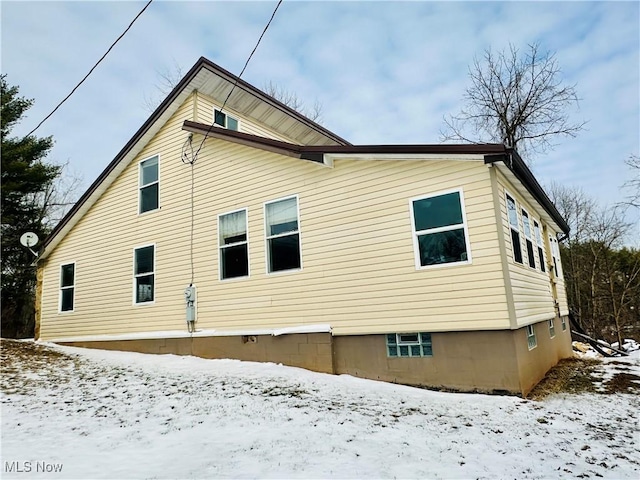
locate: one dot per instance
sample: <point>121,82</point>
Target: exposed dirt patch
<point>623,383</point>
<point>571,375</point>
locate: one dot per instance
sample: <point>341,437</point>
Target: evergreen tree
<point>24,178</point>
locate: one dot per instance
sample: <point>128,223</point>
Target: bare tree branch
<point>291,100</point>
<point>516,99</point>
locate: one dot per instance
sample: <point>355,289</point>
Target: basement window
<point>144,274</point>
<point>552,328</point>
<point>67,286</point>
<point>531,337</point>
<point>234,250</point>
<point>409,345</point>
<point>224,120</point>
<point>282,235</point>
<point>512,212</point>
<point>440,230</point>
<point>564,323</point>
<point>149,185</point>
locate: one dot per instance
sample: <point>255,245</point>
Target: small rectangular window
<point>536,229</point>
<point>552,329</point>
<point>531,337</point>
<point>564,323</point>
<point>514,223</point>
<point>144,274</point>
<point>233,246</point>
<point>440,230</point>
<point>283,235</point>
<point>409,345</point>
<point>528,238</point>
<point>224,120</point>
<point>67,286</point>
<point>149,185</point>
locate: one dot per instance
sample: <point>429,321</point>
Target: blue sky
<point>384,72</point>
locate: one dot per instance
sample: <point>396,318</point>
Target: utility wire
<point>195,157</point>
<point>92,69</point>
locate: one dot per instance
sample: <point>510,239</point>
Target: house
<point>430,265</point>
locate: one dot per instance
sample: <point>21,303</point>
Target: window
<point>564,323</point>
<point>409,345</point>
<point>552,329</point>
<point>512,212</point>
<point>149,185</point>
<point>283,235</point>
<point>144,274</point>
<point>439,230</point>
<point>67,286</point>
<point>555,254</point>
<point>224,120</point>
<point>528,239</point>
<point>531,337</point>
<point>234,253</point>
<point>536,229</point>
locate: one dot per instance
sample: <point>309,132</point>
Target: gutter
<point>516,165</point>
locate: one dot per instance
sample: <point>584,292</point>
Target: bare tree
<point>516,99</point>
<point>168,78</point>
<point>291,100</point>
<point>633,199</point>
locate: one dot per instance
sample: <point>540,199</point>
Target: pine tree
<point>24,177</point>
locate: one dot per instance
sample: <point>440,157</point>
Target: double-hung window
<point>439,227</point>
<point>536,229</point>
<point>514,224</point>
<point>67,286</point>
<point>144,274</point>
<point>232,243</point>
<point>282,235</point>
<point>149,185</point>
<point>224,120</point>
<point>528,238</point>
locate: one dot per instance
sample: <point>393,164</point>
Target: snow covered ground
<point>99,414</point>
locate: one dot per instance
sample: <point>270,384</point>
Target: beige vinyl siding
<point>206,106</point>
<point>532,294</point>
<point>358,269</point>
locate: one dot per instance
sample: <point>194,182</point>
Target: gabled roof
<point>316,143</point>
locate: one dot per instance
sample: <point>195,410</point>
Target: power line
<point>195,157</point>
<point>92,69</point>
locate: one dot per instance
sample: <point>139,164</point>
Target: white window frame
<point>221,247</point>
<point>528,238</point>
<point>226,116</point>
<point>267,237</point>
<point>463,225</point>
<point>140,186</point>
<point>555,254</point>
<point>135,276</point>
<point>61,288</point>
<point>531,334</point>
<point>508,196</point>
<point>537,231</point>
<point>564,323</point>
<point>552,328</point>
